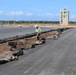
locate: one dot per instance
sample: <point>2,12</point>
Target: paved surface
<point>8,31</point>
<point>55,57</point>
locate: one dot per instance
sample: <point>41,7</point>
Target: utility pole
<point>14,18</point>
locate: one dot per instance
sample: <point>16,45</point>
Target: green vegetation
<point>2,22</point>
<point>25,22</point>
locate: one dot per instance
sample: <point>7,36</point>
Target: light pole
<point>14,18</point>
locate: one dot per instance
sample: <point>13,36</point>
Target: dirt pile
<point>4,48</point>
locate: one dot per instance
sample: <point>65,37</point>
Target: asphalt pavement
<point>55,57</point>
<point>11,31</point>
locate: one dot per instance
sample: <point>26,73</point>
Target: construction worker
<point>38,31</point>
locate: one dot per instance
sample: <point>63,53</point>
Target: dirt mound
<point>4,48</point>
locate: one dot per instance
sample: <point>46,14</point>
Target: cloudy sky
<point>36,9</point>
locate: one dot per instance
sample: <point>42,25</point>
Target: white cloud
<point>28,14</point>
<point>19,13</point>
<point>16,13</point>
<point>48,15</point>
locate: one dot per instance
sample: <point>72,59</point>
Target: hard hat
<point>36,25</point>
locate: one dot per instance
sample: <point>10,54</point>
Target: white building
<point>64,17</point>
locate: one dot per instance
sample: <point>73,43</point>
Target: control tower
<point>64,17</point>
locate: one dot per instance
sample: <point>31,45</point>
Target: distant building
<point>64,17</point>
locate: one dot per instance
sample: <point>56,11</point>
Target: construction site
<point>51,51</point>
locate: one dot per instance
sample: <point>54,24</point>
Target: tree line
<point>27,22</point>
